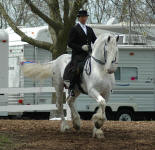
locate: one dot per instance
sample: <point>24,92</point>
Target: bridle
<point>105,57</point>
<point>88,62</point>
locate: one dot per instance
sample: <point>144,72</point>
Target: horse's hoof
<point>98,133</point>
<point>64,127</point>
<point>76,125</point>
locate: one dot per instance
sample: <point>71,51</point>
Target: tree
<point>102,10</point>
<point>62,16</point>
<point>137,15</point>
<point>20,13</point>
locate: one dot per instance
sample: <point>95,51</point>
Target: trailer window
<point>126,73</point>
<point>11,68</point>
<point>129,73</point>
<point>117,74</point>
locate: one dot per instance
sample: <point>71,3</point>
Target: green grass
<point>5,143</point>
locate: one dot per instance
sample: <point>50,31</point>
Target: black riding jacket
<point>78,38</point>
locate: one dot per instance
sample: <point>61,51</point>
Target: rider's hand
<point>85,48</point>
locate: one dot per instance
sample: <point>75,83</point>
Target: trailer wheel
<point>125,115</point>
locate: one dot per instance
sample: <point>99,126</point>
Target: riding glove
<point>85,48</point>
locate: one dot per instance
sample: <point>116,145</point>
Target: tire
<point>109,114</point>
<point>125,115</point>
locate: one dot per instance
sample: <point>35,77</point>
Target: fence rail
<point>30,108</point>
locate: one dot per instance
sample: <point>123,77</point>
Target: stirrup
<point>71,93</point>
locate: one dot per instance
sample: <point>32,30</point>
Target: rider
<point>80,38</point>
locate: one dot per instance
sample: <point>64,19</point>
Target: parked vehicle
<point>18,51</point>
<point>3,69</point>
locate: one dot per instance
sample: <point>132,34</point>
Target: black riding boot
<point>71,89</point>
<point>72,81</point>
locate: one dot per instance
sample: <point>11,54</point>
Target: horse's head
<point>106,50</point>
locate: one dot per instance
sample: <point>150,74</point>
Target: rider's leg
<point>72,80</point>
<point>59,104</point>
<point>99,117</point>
<point>71,88</point>
<point>76,59</point>
<point>74,113</point>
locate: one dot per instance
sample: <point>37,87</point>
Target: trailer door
<point>14,75</point>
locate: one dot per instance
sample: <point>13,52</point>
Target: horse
<point>97,81</point>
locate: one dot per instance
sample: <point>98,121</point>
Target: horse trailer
<point>18,51</point>
<point>16,91</point>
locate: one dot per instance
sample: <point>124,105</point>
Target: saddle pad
<point>68,71</point>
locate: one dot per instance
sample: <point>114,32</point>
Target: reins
<point>88,61</point>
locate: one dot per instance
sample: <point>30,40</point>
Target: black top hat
<point>82,13</point>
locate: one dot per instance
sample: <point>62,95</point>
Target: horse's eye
<point>108,40</point>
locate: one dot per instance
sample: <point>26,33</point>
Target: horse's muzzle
<point>109,71</point>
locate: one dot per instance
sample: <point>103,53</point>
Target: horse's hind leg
<point>74,113</point>
<point>59,104</point>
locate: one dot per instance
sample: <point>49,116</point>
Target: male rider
<point>80,38</point>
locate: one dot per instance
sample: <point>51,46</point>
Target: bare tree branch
<point>55,10</point>
<point>24,37</point>
<point>151,5</point>
<point>52,23</point>
<point>66,11</point>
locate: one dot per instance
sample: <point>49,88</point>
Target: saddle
<point>68,70</point>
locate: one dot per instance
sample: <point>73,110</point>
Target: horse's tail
<point>37,71</point>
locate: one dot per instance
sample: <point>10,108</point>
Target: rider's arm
<point>93,37</point>
<point>72,40</point>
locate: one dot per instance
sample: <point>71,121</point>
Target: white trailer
<point>20,95</point>
<point>3,69</point>
<point>19,50</point>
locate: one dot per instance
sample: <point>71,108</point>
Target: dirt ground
<point>45,135</point>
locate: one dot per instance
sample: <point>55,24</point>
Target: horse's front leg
<point>99,117</point>
<point>74,113</point>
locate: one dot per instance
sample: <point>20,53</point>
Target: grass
<point>5,143</point>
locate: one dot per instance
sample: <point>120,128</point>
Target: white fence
<point>31,108</point>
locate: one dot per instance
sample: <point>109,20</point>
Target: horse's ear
<point>117,38</point>
<point>108,39</point>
